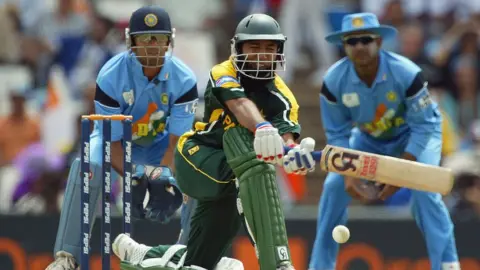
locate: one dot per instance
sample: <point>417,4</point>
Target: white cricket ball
<point>341,234</point>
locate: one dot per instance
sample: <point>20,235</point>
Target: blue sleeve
<point>107,105</point>
<point>182,113</point>
<point>422,116</point>
<point>336,121</point>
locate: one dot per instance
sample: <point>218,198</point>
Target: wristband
<point>261,125</point>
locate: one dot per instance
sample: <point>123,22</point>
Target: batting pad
<point>259,199</point>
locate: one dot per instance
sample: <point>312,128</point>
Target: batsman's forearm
<point>117,156</point>
<point>246,112</point>
<point>288,138</point>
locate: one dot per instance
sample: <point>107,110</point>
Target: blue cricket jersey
<point>397,104</point>
<point>165,105</point>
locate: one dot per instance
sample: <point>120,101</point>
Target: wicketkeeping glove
<point>139,190</point>
<point>165,196</point>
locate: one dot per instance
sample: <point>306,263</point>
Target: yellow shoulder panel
<point>224,75</point>
<point>285,91</point>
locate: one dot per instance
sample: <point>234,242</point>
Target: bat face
<point>355,164</point>
<point>386,170</point>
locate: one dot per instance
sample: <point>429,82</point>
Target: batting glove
<point>268,144</point>
<point>299,159</point>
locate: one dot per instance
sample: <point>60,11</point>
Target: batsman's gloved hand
<point>139,190</point>
<point>165,196</point>
<point>268,143</point>
<point>299,159</point>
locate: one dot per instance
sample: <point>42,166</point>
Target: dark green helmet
<point>258,27</point>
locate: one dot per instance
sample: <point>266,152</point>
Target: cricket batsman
<point>228,162</point>
<point>157,89</point>
<point>385,97</point>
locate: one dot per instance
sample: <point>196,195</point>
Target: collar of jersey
<point>381,73</point>
<point>164,71</point>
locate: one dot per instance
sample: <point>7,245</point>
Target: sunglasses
<point>145,38</point>
<point>365,40</point>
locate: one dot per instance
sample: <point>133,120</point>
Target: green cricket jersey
<point>272,97</point>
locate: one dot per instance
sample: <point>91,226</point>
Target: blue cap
<point>150,19</point>
<point>361,22</point>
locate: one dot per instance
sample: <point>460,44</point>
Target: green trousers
<point>203,173</point>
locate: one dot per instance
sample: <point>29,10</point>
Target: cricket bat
<point>384,169</point>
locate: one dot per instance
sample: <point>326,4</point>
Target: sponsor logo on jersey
<point>193,150</point>
<point>192,107</point>
<point>351,100</point>
<point>225,79</point>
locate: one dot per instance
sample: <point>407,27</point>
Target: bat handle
<point>317,155</point>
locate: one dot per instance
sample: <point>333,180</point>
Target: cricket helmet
<point>257,27</point>
<point>148,23</point>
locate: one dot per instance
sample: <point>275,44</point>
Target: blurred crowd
<point>61,44</point>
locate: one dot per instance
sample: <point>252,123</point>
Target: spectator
<point>467,207</point>
<point>466,81</point>
<point>41,181</point>
<point>394,15</point>
<point>460,40</point>
<point>103,43</point>
<point>471,140</point>
<point>305,24</point>
<point>412,44</point>
<point>19,130</point>
<point>10,34</point>
<point>57,37</point>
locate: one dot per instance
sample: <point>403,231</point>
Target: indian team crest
<point>128,97</point>
<point>391,96</point>
<point>357,22</point>
<point>164,99</point>
<point>151,20</point>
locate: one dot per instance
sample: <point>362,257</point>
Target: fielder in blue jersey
<point>160,92</point>
<point>385,98</point>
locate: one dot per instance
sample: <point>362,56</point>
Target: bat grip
<point>317,155</point>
